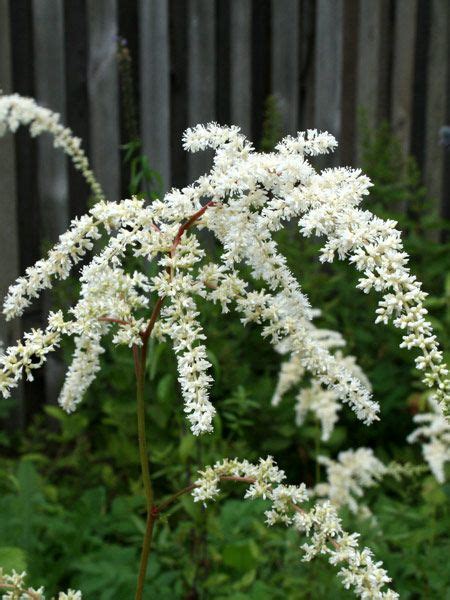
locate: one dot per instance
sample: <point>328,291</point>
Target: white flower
<point>348,476</point>
<point>16,110</point>
<point>16,589</point>
<point>320,524</point>
<point>434,433</point>
<point>242,201</point>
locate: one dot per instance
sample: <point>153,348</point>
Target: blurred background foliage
<point>71,503</point>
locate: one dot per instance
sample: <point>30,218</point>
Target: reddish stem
<point>113,320</point>
<point>189,224</point>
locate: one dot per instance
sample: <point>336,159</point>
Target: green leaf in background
<point>12,559</point>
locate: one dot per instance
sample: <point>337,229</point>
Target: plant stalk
<point>140,358</point>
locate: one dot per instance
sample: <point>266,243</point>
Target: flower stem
<point>140,362</point>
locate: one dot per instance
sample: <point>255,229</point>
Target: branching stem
<point>140,361</point>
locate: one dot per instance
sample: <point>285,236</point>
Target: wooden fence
<point>198,60</point>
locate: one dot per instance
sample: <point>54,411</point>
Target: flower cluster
<point>14,588</point>
<point>348,476</point>
<point>321,524</point>
<point>434,433</point>
<point>242,202</point>
<point>374,246</point>
<point>15,110</point>
<point>323,403</point>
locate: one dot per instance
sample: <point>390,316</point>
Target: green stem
<point>140,362</point>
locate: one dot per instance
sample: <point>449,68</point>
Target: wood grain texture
<point>9,238</point>
<point>240,64</point>
<point>285,61</point>
<point>103,95</point>
<point>328,70</point>
<point>436,106</point>
<point>201,80</point>
<point>403,71</point>
<point>49,75</point>
<point>155,84</point>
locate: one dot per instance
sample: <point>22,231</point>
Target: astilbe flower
<point>374,246</point>
<point>314,398</point>
<point>349,476</point>
<point>321,523</point>
<point>434,433</point>
<point>15,110</point>
<point>240,211</point>
<point>14,588</point>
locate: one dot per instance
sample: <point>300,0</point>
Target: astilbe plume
<point>434,433</point>
<point>15,110</point>
<point>348,477</point>
<point>321,402</point>
<point>14,588</point>
<point>321,523</point>
<point>243,201</point>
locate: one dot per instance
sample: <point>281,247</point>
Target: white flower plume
<point>242,201</point>
<point>433,432</point>
<point>320,524</point>
<point>15,110</point>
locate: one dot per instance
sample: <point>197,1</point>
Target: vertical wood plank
<point>178,17</point>
<point>372,64</point>
<point>240,64</point>
<point>403,71</point>
<point>261,58</point>
<point>368,55</point>
<point>155,84</point>
<point>445,208</point>
<point>436,109</point>
<point>285,61</point>
<point>9,247</point>
<point>201,80</point>
<point>422,43</point>
<point>77,103</point>
<point>104,95</point>
<point>347,142</point>
<point>50,83</point>
<point>307,62</point>
<point>223,61</point>
<point>48,29</point>
<point>29,222</point>
<point>328,68</point>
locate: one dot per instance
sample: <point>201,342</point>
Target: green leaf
<point>12,558</point>
<point>187,448</point>
<point>242,556</point>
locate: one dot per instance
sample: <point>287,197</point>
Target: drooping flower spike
<point>244,199</point>
<point>15,110</point>
<point>320,524</point>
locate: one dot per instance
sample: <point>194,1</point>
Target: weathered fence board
<point>9,238</point>
<point>103,94</point>
<point>201,69</point>
<point>369,77</point>
<point>285,57</point>
<point>240,64</point>
<point>328,67</point>
<point>439,52</point>
<point>52,179</point>
<point>155,84</point>
<point>349,81</point>
<point>50,92</point>
<point>403,71</point>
